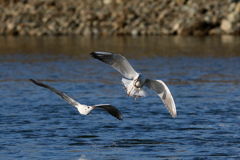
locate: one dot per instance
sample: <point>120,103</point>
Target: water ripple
<point>37,124</point>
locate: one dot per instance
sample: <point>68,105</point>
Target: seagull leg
<point>130,92</point>
<point>136,98</point>
<point>137,94</point>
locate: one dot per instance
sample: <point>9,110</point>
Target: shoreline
<point>119,17</point>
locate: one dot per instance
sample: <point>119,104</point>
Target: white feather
<point>130,88</point>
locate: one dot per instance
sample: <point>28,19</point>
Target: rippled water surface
<point>203,75</point>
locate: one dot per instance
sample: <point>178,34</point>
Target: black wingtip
<point>118,116</point>
<point>111,110</point>
<point>102,56</point>
<point>39,83</point>
<point>34,81</point>
<point>92,54</point>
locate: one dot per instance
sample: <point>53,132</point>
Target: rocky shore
<point>119,17</point>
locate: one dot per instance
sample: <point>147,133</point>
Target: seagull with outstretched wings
<point>83,109</point>
<point>135,81</point>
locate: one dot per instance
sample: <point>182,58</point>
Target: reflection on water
<point>142,46</point>
<point>202,74</point>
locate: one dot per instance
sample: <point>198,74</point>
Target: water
<point>203,75</point>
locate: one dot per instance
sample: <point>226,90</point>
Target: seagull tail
<point>126,83</point>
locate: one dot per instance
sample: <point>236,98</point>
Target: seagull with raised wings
<point>83,109</point>
<point>135,81</point>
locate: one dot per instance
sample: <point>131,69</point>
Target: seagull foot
<point>136,98</point>
<point>130,92</point>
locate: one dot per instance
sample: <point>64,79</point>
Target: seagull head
<point>138,82</point>
<point>85,110</point>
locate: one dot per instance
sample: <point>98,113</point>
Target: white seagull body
<point>83,109</point>
<point>135,81</point>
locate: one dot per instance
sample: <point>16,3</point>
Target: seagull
<point>135,81</point>
<point>83,109</point>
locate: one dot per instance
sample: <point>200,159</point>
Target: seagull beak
<point>92,107</point>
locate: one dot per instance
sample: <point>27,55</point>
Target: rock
<point>190,10</point>
<point>215,31</point>
<point>135,32</point>
<point>95,31</point>
<point>176,26</point>
<point>162,15</point>
<point>215,21</point>
<point>185,31</point>
<point>87,31</point>
<point>10,26</point>
<point>202,10</point>
<point>181,2</point>
<point>166,31</point>
<point>79,29</point>
<point>119,17</point>
<point>237,8</point>
<point>201,28</point>
<point>236,31</point>
<point>106,2</point>
<point>143,32</point>
<point>233,17</point>
<point>226,26</point>
<point>231,7</point>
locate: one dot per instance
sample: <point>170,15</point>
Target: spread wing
<point>64,96</point>
<point>111,110</point>
<point>164,93</point>
<point>117,61</point>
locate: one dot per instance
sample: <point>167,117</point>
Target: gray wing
<point>111,110</point>
<point>164,93</point>
<point>117,61</point>
<point>64,96</point>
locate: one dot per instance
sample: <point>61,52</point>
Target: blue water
<point>37,124</point>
